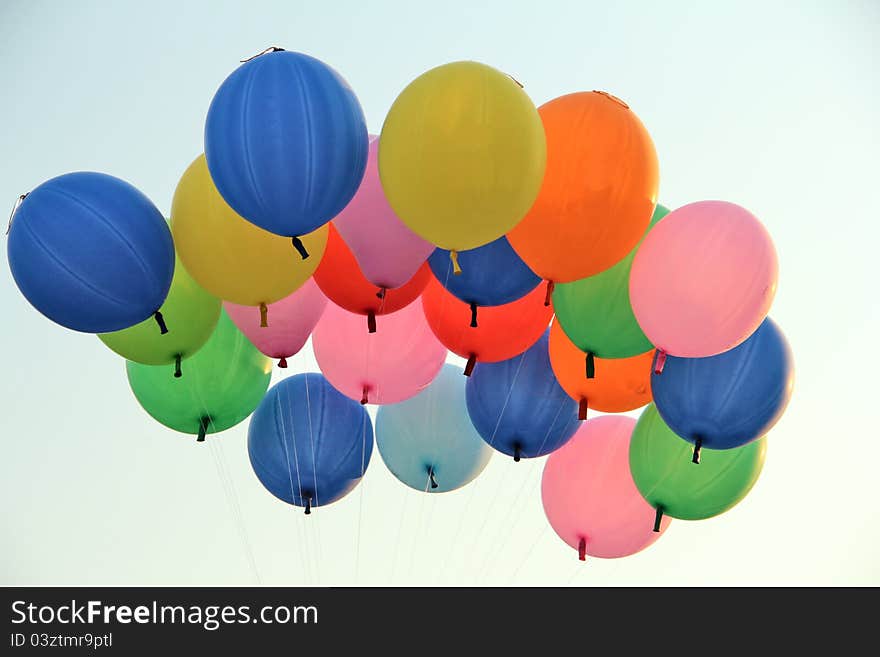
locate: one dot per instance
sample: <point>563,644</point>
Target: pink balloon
<point>290,321</point>
<point>703,279</point>
<point>589,494</point>
<point>388,253</point>
<point>384,367</point>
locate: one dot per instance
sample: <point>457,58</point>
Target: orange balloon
<point>599,189</point>
<point>502,332</point>
<point>618,384</point>
<point>342,281</point>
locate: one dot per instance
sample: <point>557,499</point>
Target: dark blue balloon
<point>286,142</point>
<point>309,444</point>
<point>91,252</point>
<point>517,405</point>
<point>491,275</point>
<point>729,399</point>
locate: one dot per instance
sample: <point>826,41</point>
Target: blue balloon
<point>309,444</point>
<point>518,406</point>
<point>91,253</point>
<point>286,142</point>
<point>428,441</point>
<point>730,399</point>
<point>491,275</point>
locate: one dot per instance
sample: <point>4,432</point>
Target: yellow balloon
<point>461,155</point>
<point>227,255</point>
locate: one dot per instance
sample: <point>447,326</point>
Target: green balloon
<point>190,314</point>
<point>595,312</point>
<point>224,382</point>
<point>667,478</point>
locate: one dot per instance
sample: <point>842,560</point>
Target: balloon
<point>501,333</point>
<point>728,400</point>
<point>618,384</point>
<point>518,407</point>
<point>589,495</point>
<point>224,382</point>
<point>491,275</point>
<point>308,444</point>
<point>595,312</point>
<point>388,253</point>
<point>286,143</point>
<point>428,441</point>
<point>703,279</point>
<point>91,253</point>
<point>293,319</point>
<point>462,155</point>
<point>340,278</point>
<point>598,191</point>
<point>192,312</point>
<point>229,257</point>
<point>662,470</point>
<point>378,368</point>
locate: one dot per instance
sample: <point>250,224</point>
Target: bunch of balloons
<point>467,225</point>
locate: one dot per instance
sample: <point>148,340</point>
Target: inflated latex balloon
<point>491,275</point>
<point>428,441</point>
<point>286,143</point>
<point>461,155</point>
<point>596,314</point>
<point>91,253</point>
<point>342,281</point>
<point>230,257</point>
<point>728,400</point>
<point>188,308</point>
<point>598,191</point>
<point>378,368</point>
<point>293,319</point>
<point>502,332</point>
<point>616,385</point>
<point>388,253</point>
<point>661,467</point>
<point>309,445</point>
<point>224,382</point>
<point>703,279</point>
<point>518,407</point>
<point>589,495</point>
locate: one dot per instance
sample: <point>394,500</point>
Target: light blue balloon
<point>432,434</point>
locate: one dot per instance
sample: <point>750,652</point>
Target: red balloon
<point>342,281</point>
<point>501,332</point>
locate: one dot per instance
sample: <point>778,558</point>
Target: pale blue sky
<point>772,105</point>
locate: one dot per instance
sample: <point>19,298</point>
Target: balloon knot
<point>583,406</point>
<point>203,428</point>
<point>381,293</point>
<point>300,247</point>
<point>282,362</point>
<point>309,505</point>
<point>177,372</point>
<point>469,367</point>
<point>658,516</point>
<point>473,315</point>
<point>264,315</point>
<point>364,400</point>
<point>698,445</point>
<point>371,321</point>
<point>262,52</point>
<point>15,207</point>
<point>456,269</point>
<point>659,361</point>
<point>549,295</point>
<point>434,483</point>
<point>582,549</point>
<point>161,322</point>
<point>517,453</point>
<point>591,365</point>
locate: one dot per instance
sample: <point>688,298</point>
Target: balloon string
<point>177,372</point>
<point>203,428</point>
<point>15,207</point>
<point>591,365</point>
<point>434,483</point>
<point>469,368</point>
<point>698,445</point>
<point>282,362</point>
<point>161,322</point>
<point>309,505</point>
<point>583,406</point>
<point>371,321</point>
<point>456,269</point>
<point>658,516</point>
<point>264,315</point>
<point>659,361</point>
<point>550,287</point>
<point>473,315</point>
<point>300,247</point>
<point>264,52</point>
<point>582,549</point>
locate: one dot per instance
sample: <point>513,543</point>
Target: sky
<point>771,105</point>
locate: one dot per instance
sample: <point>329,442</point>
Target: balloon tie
<point>698,445</point>
<point>371,321</point>
<point>582,549</point>
<point>161,322</point>
<point>583,406</point>
<point>456,269</point>
<point>203,428</point>
<point>264,315</point>
<point>300,247</point>
<point>381,293</point>
<point>591,365</point>
<point>434,483</point>
<point>611,97</point>
<point>658,516</point>
<point>515,80</point>
<point>364,400</point>
<point>659,361</point>
<point>177,372</point>
<point>469,367</point>
<point>550,287</point>
<point>473,315</point>
<point>15,207</point>
<point>282,362</point>
<point>264,52</point>
<point>309,505</point>
<point>517,453</point>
